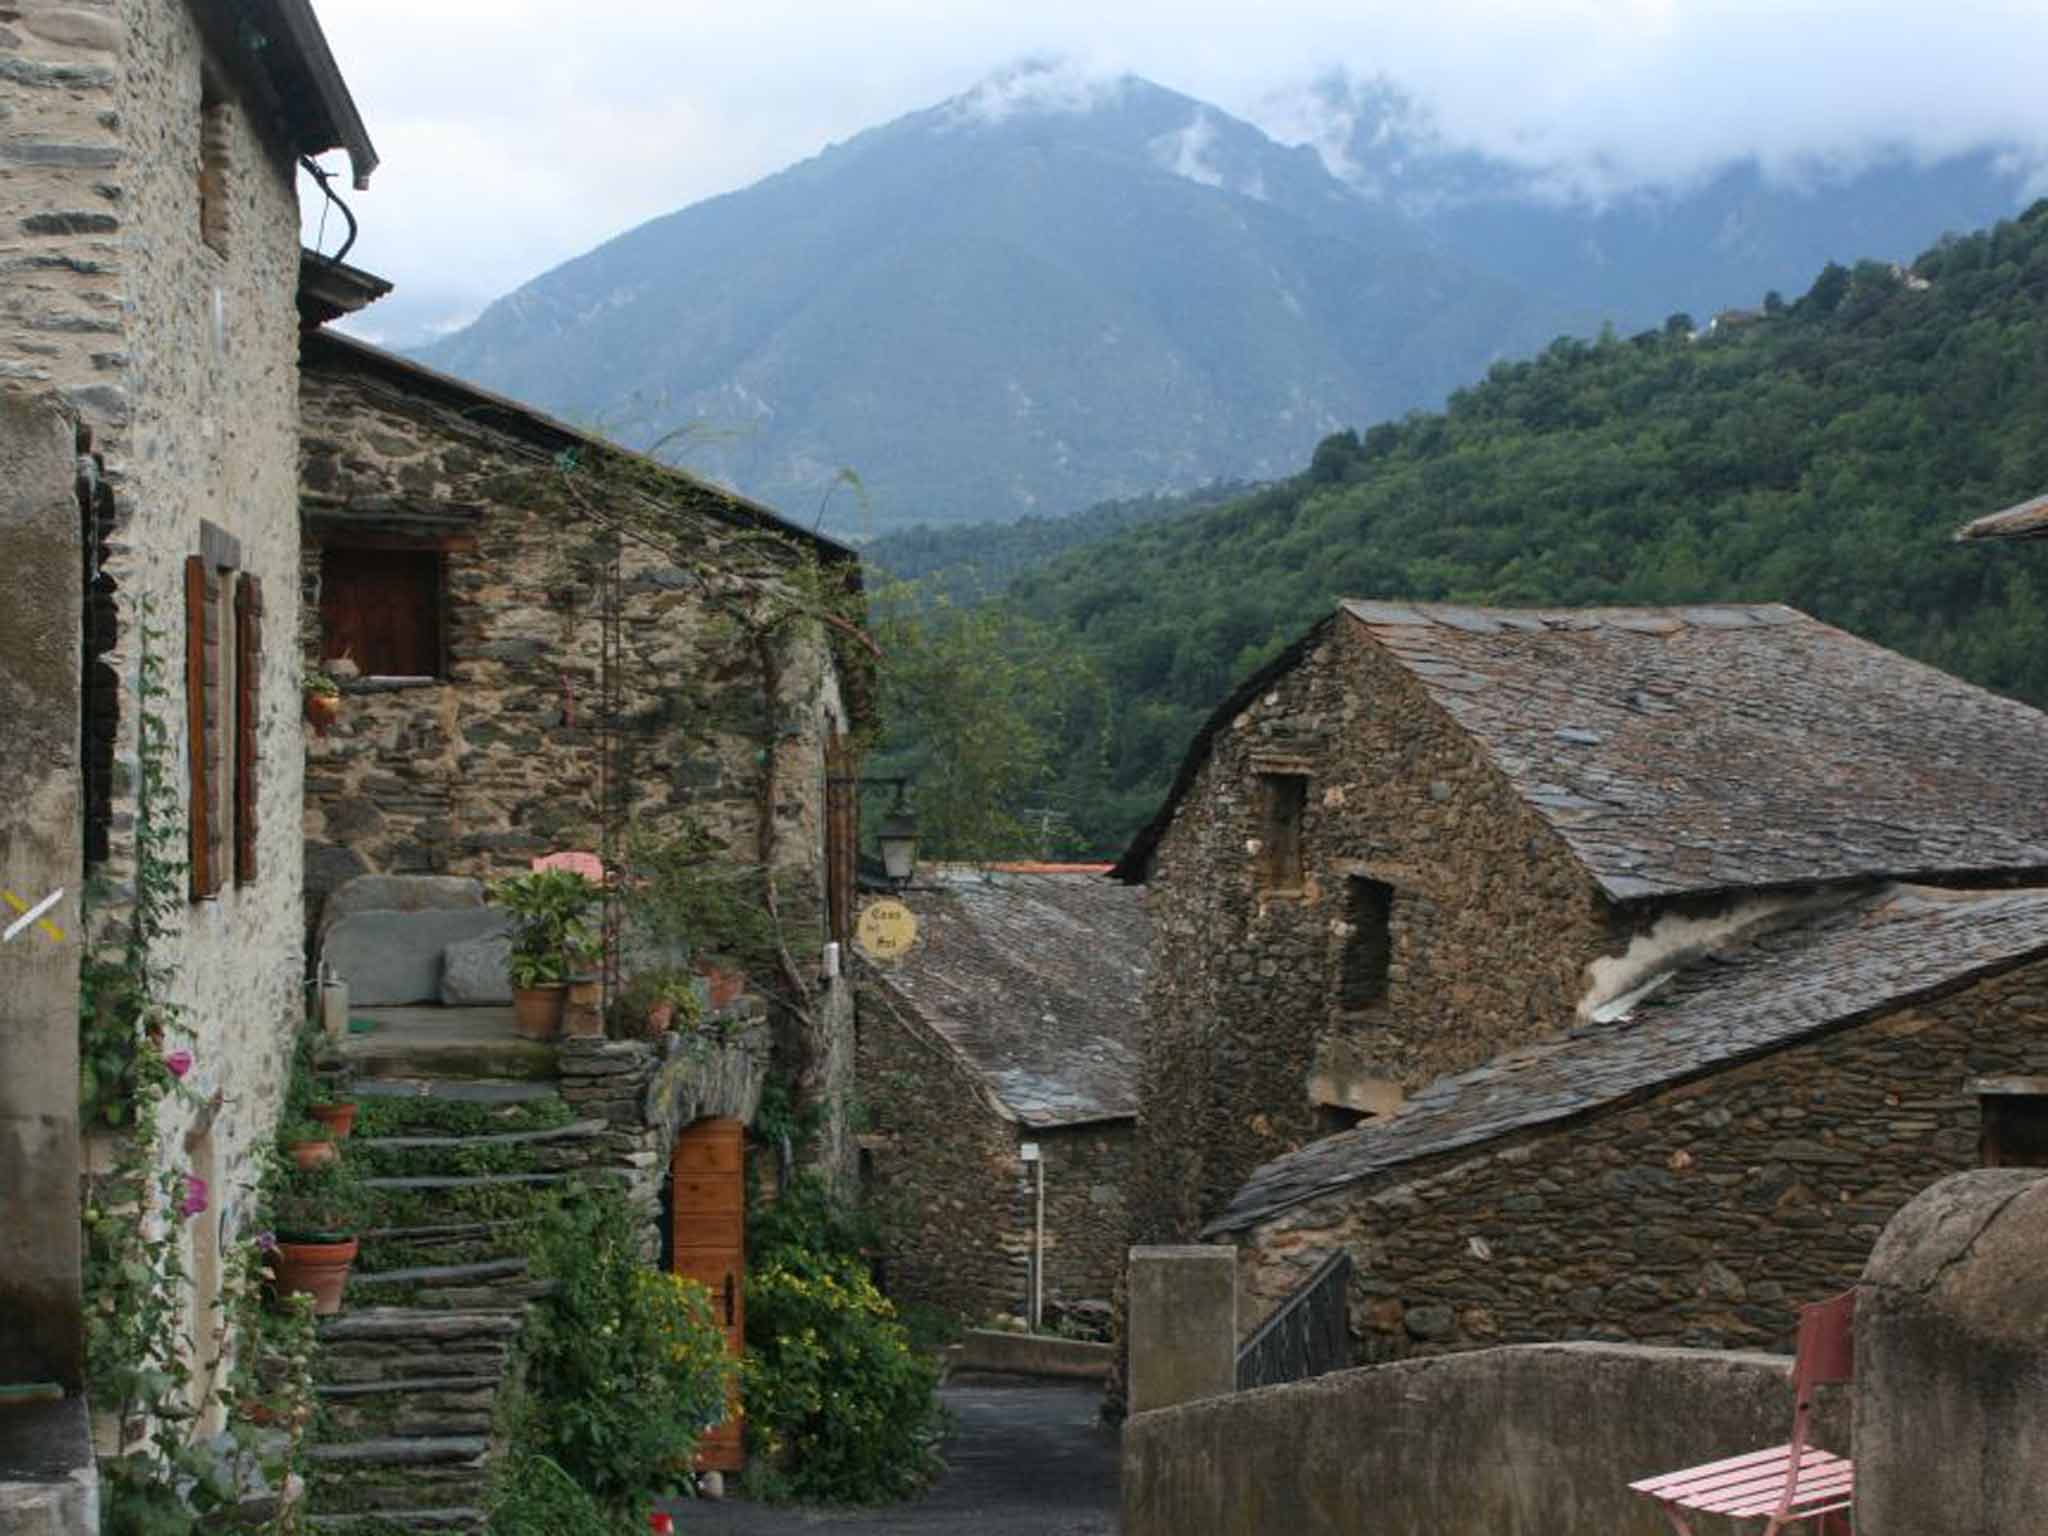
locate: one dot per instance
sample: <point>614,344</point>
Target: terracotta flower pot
<point>537,1011</point>
<point>318,1270</point>
<point>726,985</point>
<point>338,1118</point>
<point>322,710</point>
<point>311,1154</point>
<point>659,1017</point>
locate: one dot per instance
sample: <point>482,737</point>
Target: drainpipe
<point>1029,1153</point>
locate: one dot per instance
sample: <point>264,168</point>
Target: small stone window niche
<point>1282,805</point>
<point>1369,946</point>
<point>216,140</point>
<point>2012,1126</point>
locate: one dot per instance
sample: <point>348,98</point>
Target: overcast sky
<point>516,134</point>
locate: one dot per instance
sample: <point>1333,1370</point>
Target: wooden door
<point>708,1217</point>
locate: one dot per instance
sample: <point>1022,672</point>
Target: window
<point>223,680</point>
<point>1283,798</point>
<point>2013,1122</point>
<point>1369,947</point>
<point>381,608</point>
<point>216,135</point>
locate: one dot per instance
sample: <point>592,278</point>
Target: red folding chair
<point>1789,1482</point>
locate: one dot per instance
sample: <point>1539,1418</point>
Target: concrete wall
<point>181,359</point>
<point>41,1327</point>
<point>1492,927</point>
<point>1952,1363</point>
<point>1703,1216</point>
<point>1538,1441</point>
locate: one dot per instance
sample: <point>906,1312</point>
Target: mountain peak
<point>1041,85</point>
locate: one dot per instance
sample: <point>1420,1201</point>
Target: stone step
<point>376,1488</point>
<point>401,1366</point>
<point>453,1517</point>
<point>386,1325</point>
<point>415,1414</point>
<point>443,1183</point>
<point>576,1130</point>
<point>492,1285</point>
<point>349,1391</point>
<point>451,1090</point>
<point>461,1043</point>
<point>403,1451</point>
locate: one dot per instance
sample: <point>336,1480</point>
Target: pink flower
<point>179,1063</point>
<point>192,1199</point>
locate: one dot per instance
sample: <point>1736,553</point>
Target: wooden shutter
<point>841,835</point>
<point>248,701</point>
<point>382,609</point>
<point>199,829</point>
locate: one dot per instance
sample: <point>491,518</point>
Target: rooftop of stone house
<point>1692,750</point>
<point>282,42</point>
<point>1783,982</point>
<point>2027,520</point>
<point>323,350</point>
<point>1034,980</point>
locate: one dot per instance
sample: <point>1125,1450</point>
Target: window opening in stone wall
<point>2012,1122</point>
<point>203,726</point>
<point>381,608</point>
<point>1369,947</point>
<point>216,135</point>
<point>1283,800</point>
<point>100,724</point>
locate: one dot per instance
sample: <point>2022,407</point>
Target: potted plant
<point>665,998</point>
<point>310,1095</point>
<point>307,1143</point>
<point>323,700</point>
<point>317,1213</point>
<point>583,1001</point>
<point>551,908</point>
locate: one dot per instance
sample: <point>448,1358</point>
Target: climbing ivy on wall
<point>147,1374</point>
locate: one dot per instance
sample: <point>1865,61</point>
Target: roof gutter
<point>280,41</point>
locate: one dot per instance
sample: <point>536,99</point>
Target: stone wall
<point>1703,1215</point>
<point>477,772</point>
<point>1536,1441</point>
<point>1492,927</point>
<point>1952,1363</point>
<point>1087,1222</point>
<point>180,360</point>
<point>940,1166</point>
<point>958,1203</point>
<point>649,1091</point>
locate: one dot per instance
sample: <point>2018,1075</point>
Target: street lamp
<point>897,838</point>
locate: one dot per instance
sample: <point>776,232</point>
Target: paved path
<point>1026,1458</point>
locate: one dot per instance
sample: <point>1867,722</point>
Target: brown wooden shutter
<point>248,701</point>
<point>199,829</point>
<point>841,837</point>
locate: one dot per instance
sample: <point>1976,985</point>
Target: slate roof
<point>2028,520</point>
<point>1865,958</point>
<point>1035,981</point>
<point>1692,750</point>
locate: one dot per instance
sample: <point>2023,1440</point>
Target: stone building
<point>149,233</point>
<point>1609,973</point>
<point>1012,1021</point>
<point>548,643</point>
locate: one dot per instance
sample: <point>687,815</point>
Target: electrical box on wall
<point>1028,1152</point>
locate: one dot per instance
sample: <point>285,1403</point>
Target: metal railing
<point>1308,1335</point>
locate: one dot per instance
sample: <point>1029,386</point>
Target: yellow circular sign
<point>886,930</point>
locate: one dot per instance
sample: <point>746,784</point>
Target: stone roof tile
<point>1731,746</point>
<point>1036,981</point>
<point>1852,961</point>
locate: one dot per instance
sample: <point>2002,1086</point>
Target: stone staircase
<point>409,1374</point>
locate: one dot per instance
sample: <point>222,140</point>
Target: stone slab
<point>399,893</point>
<point>1033,1354</point>
<point>477,972</point>
<point>1183,1325</point>
<point>389,957</point>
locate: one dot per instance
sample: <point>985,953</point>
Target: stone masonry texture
<point>1492,924</point>
<point>957,1203</point>
<point>1701,1215</point>
<point>180,360</point>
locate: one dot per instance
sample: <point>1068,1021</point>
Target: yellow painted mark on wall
<point>28,915</point>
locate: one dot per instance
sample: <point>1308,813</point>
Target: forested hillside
<point>1821,456</point>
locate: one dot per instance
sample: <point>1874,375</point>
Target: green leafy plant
<point>552,909</point>
<point>624,1365</point>
<point>681,991</point>
<point>532,1496</point>
<point>319,684</point>
<point>840,1405</point>
<point>324,1204</point>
